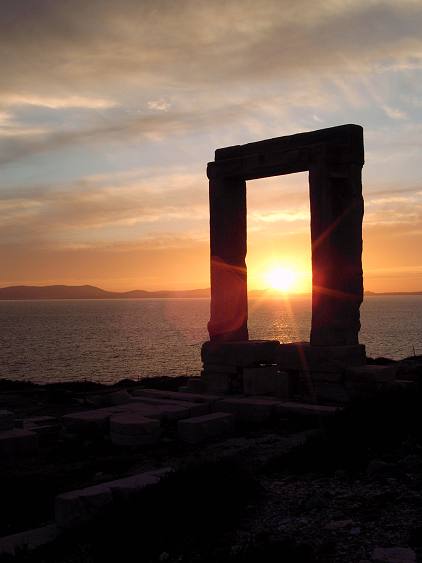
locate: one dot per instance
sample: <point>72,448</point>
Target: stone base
<point>303,356</point>
<point>265,380</point>
<point>240,354</point>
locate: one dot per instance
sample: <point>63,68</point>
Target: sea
<point>108,340</point>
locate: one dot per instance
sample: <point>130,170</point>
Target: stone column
<point>336,234</point>
<point>229,297</point>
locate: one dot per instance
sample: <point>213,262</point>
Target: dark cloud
<point>63,46</point>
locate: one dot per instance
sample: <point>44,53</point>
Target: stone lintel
<point>349,135</point>
<point>286,155</point>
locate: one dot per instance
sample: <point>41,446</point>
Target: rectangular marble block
<point>201,428</point>
<point>241,354</point>
<point>302,356</point>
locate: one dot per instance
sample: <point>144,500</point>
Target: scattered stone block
<point>7,420</point>
<point>200,428</point>
<point>123,489</point>
<point>133,429</point>
<point>306,409</point>
<point>28,540</point>
<point>94,421</point>
<point>244,353</point>
<point>195,409</point>
<point>251,409</point>
<point>393,555</point>
<point>78,507</point>
<point>16,444</point>
<point>159,411</point>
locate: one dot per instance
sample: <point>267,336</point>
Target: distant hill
<point>16,292</point>
<point>89,292</point>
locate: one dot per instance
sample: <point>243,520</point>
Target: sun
<point>281,279</point>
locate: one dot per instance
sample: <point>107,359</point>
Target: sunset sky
<point>110,110</point>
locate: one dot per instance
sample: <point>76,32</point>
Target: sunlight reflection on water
<point>112,339</point>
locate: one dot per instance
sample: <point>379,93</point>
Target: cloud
<point>159,105</point>
<point>56,102</point>
<point>100,209</point>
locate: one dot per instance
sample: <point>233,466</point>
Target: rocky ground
<point>347,488</point>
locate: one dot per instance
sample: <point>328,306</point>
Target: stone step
<point>195,409</point>
<point>80,506</point>
<point>28,540</point>
<point>133,429</point>
<point>200,428</point>
<point>176,396</point>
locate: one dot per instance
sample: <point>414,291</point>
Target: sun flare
<point>281,279</point>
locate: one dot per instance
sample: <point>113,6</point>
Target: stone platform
<point>293,371</point>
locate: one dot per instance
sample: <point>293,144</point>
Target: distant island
<point>90,292</point>
<point>17,292</point>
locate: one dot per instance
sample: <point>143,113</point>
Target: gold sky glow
<point>109,112</point>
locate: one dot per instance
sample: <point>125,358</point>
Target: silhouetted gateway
<point>334,158</point>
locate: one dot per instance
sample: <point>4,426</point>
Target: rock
<point>393,555</point>
<point>133,429</point>
<point>16,444</point>
<point>7,420</point>
<point>377,467</point>
<point>338,524</point>
<point>120,397</point>
<point>201,428</point>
